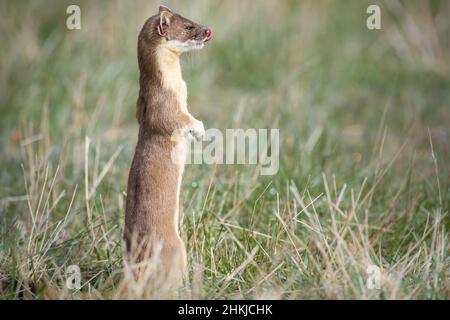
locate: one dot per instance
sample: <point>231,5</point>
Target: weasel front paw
<point>197,130</point>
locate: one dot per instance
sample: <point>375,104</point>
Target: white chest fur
<point>169,64</point>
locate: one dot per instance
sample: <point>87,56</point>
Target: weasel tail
<point>154,249</point>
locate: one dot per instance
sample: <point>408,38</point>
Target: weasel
<point>151,214</point>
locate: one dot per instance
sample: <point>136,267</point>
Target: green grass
<point>364,171</point>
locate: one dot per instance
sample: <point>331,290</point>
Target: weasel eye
<point>189,27</point>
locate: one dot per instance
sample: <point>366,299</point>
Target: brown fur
<point>151,218</point>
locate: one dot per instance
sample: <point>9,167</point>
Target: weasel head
<point>180,34</point>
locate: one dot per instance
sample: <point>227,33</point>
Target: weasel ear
<point>164,8</point>
<point>164,20</point>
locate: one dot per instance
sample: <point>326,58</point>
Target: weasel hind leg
<point>174,262</point>
<point>156,269</point>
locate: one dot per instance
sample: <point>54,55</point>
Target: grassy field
<point>364,156</point>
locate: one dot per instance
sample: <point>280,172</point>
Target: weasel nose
<point>208,33</point>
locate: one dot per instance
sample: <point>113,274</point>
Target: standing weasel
<point>151,217</point>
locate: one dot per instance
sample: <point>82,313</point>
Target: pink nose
<point>208,33</point>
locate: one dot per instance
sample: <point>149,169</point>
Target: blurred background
<point>364,109</point>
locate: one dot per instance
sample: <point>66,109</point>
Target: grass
<point>364,172</point>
